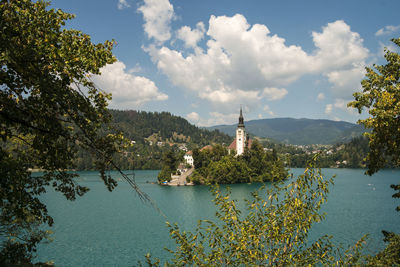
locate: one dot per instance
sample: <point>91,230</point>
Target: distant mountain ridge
<point>298,131</point>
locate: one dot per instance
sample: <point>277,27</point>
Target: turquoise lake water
<point>116,229</point>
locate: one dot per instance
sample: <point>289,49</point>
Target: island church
<point>242,139</point>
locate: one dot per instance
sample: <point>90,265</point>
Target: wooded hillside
<point>152,134</point>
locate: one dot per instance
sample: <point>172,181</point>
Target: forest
<point>141,126</point>
<point>151,134</point>
<point>340,155</point>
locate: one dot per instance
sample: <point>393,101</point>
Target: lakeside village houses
<point>237,145</point>
<point>189,158</point>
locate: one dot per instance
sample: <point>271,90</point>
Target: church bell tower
<point>240,135</point>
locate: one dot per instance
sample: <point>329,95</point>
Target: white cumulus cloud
<point>128,90</point>
<point>214,118</point>
<point>320,97</point>
<point>340,104</point>
<point>250,57</point>
<point>346,82</point>
<point>337,47</point>
<point>268,110</point>
<point>157,15</point>
<point>272,93</point>
<point>389,29</point>
<point>193,117</point>
<point>387,47</point>
<point>122,4</point>
<point>328,108</point>
<point>191,36</point>
<point>245,63</point>
<point>217,118</point>
<point>136,68</point>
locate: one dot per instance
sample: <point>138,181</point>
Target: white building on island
<point>241,137</point>
<point>189,158</point>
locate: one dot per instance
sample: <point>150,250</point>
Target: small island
<point>243,161</point>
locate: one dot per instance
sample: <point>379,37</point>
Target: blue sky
<point>203,59</point>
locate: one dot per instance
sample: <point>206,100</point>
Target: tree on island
<point>217,166</point>
<point>49,107</point>
<point>170,161</point>
<point>381,97</point>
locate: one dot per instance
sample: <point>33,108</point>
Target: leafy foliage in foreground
<point>390,255</point>
<point>273,231</point>
<point>381,97</point>
<point>45,117</point>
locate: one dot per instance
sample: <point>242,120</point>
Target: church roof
<point>232,145</point>
<point>249,143</point>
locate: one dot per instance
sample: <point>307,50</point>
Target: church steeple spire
<point>241,120</point>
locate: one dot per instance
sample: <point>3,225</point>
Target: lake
<point>116,229</point>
